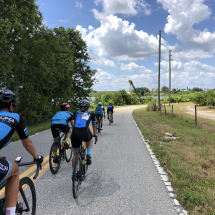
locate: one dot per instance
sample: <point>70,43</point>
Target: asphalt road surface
<point>121,180</point>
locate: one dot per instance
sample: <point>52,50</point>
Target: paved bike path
<point>121,180</point>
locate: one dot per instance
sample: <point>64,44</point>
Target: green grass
<point>33,130</point>
<point>189,160</point>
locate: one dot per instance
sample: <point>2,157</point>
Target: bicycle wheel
<point>68,154</point>
<point>27,198</point>
<point>77,176</point>
<point>2,206</point>
<point>99,126</point>
<point>85,163</point>
<point>54,157</point>
<point>109,119</point>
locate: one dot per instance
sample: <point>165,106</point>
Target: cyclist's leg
<point>101,117</point>
<point>55,133</point>
<point>67,142</point>
<point>89,142</point>
<point>12,188</point>
<point>112,116</point>
<point>76,142</point>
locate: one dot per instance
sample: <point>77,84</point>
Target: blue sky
<point>123,45</point>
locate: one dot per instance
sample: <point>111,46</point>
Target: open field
<point>189,159</point>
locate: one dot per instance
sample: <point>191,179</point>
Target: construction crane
<point>131,84</point>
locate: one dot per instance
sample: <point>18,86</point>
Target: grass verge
<point>33,130</point>
<point>189,160</point>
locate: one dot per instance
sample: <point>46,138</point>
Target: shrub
<point>152,105</point>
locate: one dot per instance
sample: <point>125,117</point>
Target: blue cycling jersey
<point>83,119</point>
<point>62,117</point>
<point>110,107</point>
<point>100,108</point>
<point>9,122</point>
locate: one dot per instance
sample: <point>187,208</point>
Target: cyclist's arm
<point>73,120</point>
<point>26,141</point>
<point>29,146</point>
<point>73,123</point>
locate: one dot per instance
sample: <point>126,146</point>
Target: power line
<point>181,16</point>
<point>190,23</point>
<point>174,7</point>
<point>181,6</point>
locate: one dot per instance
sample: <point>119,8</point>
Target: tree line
<point>43,67</point>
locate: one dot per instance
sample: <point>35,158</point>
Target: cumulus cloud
<point>127,7</point>
<point>133,67</point>
<point>191,66</point>
<point>78,5</point>
<point>107,81</point>
<point>117,38</point>
<point>101,61</point>
<point>181,20</point>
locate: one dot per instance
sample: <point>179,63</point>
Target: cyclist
<point>9,122</point>
<point>99,113</point>
<point>110,109</point>
<point>81,131</point>
<point>60,120</point>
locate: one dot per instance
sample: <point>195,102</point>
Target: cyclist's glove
<point>39,159</point>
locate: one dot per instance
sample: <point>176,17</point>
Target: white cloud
<point>63,20</point>
<point>191,66</point>
<point>118,39</point>
<point>107,81</point>
<point>101,61</point>
<point>127,7</point>
<point>131,67</point>
<point>78,5</point>
<point>181,20</point>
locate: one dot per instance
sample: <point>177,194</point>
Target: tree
<point>142,90</point>
<point>197,89</point>
<point>165,89</point>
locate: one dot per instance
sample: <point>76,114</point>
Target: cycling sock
<point>72,170</point>
<point>10,210</point>
<point>89,149</point>
<point>101,125</point>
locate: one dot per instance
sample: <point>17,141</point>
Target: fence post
<point>195,115</point>
<point>172,109</point>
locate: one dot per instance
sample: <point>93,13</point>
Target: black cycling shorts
<point>110,110</point>
<point>5,168</point>
<point>79,135</point>
<point>63,128</point>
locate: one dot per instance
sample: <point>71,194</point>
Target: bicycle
<point>109,117</point>
<point>80,169</point>
<point>26,189</point>
<point>98,126</point>
<point>58,154</point>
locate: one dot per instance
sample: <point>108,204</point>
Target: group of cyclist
<point>11,122</point>
<point>80,122</point>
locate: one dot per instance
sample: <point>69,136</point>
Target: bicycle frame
<point>3,184</point>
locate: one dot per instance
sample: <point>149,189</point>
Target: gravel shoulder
<point>207,114</point>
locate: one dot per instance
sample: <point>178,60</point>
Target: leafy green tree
<point>142,90</point>
<point>165,89</point>
<point>197,89</point>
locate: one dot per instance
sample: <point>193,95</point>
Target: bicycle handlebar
<point>39,166</point>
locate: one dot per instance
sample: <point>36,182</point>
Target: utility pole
<point>159,67</point>
<point>169,75</point>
